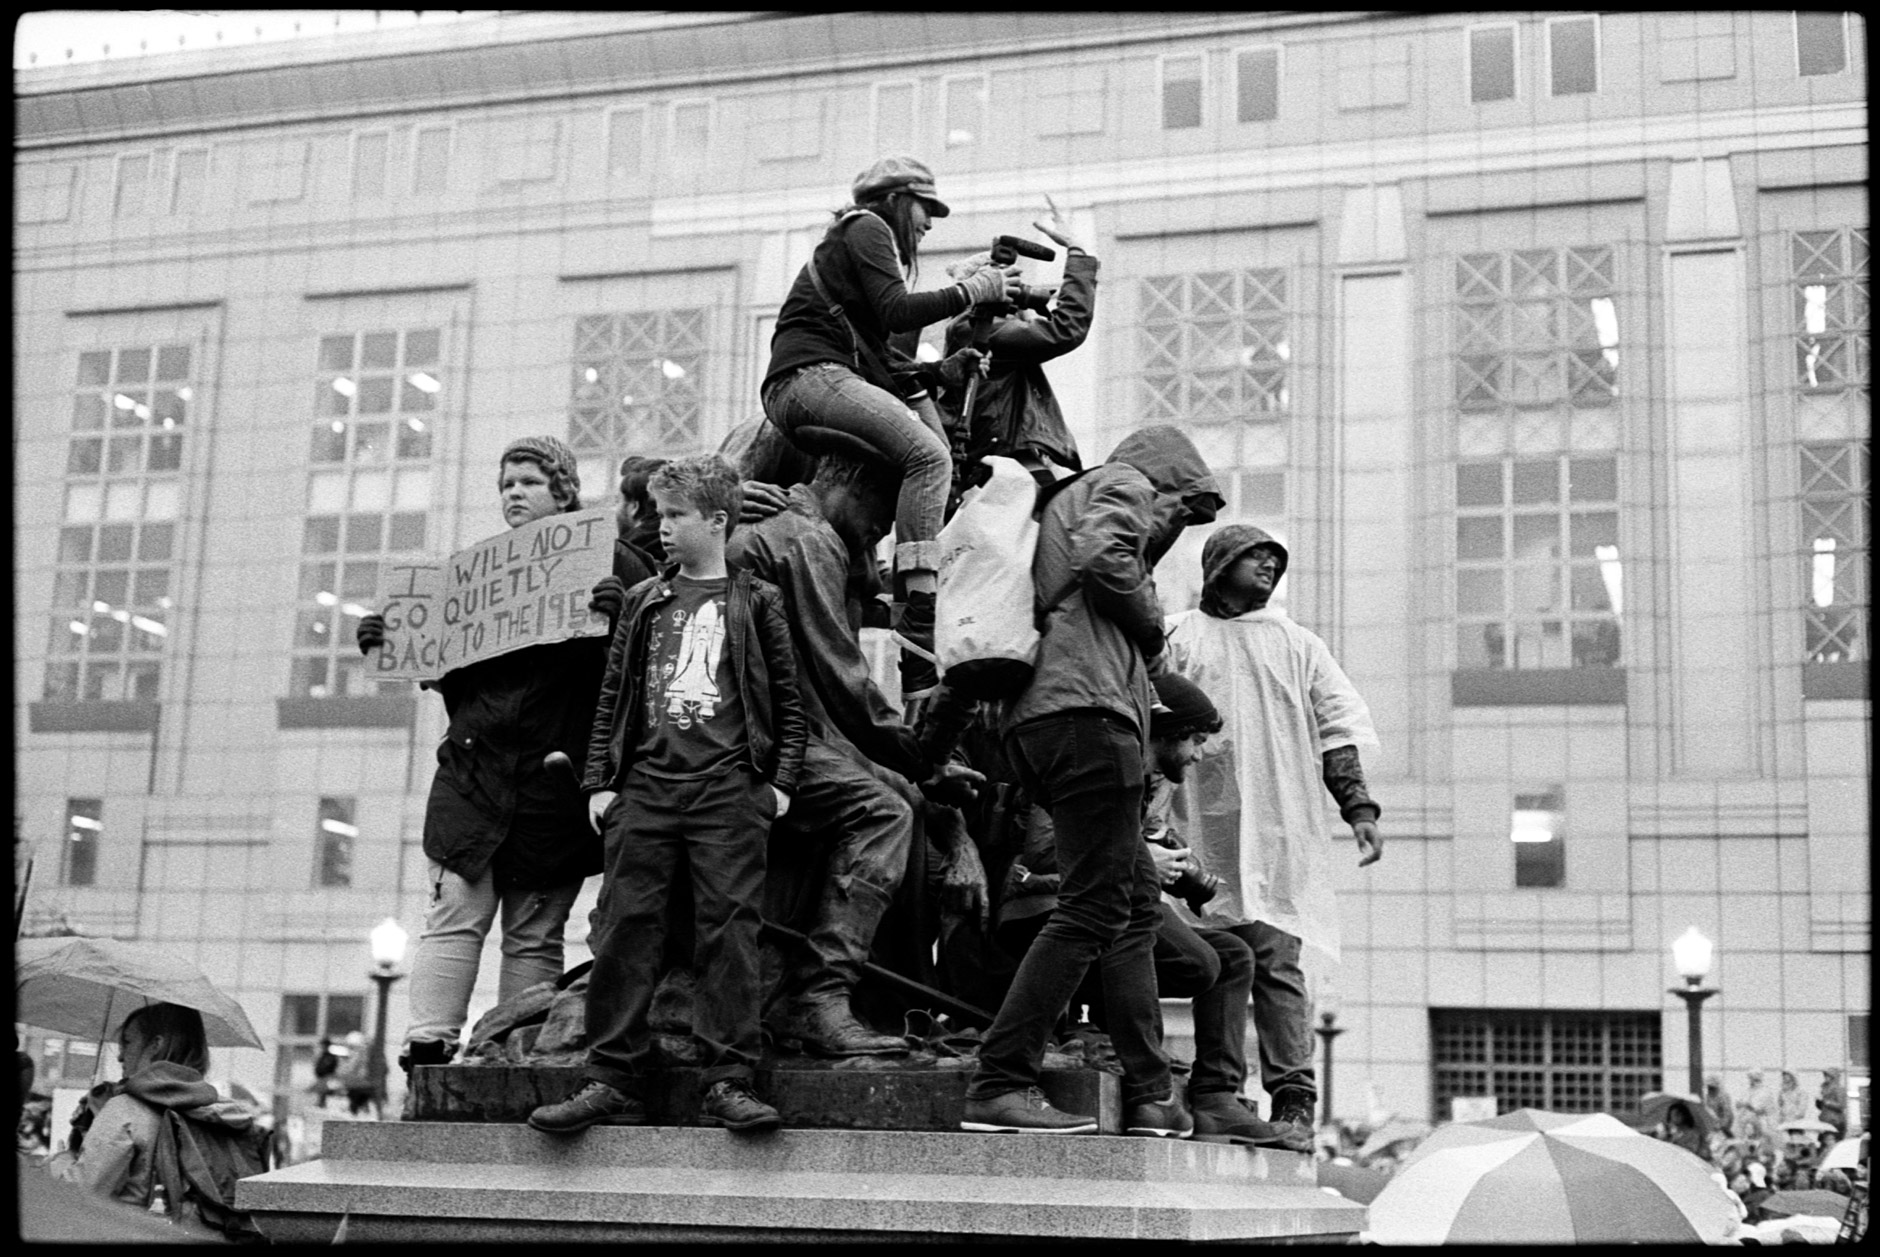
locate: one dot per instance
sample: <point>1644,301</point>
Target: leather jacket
<point>758,641</point>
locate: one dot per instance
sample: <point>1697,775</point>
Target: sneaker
<point>1024,1112</point>
<point>729,1103</point>
<point>1221,1117</point>
<point>595,1104</point>
<point>1166,1118</point>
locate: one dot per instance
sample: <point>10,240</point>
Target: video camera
<point>1007,250</point>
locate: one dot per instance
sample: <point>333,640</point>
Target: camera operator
<point>1209,966</point>
<point>1015,412</point>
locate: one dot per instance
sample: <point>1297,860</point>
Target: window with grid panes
<point>84,826</point>
<point>1539,574</point>
<point>637,385</point>
<point>1833,365</point>
<point>1214,356</point>
<point>111,597</point>
<point>334,841</point>
<point>376,396</point>
<point>305,1020</point>
<point>1569,1062</point>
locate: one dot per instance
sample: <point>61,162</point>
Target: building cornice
<point>600,54</point>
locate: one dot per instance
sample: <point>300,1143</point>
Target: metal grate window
<point>1569,1062</point>
<point>112,597</point>
<point>1834,377</point>
<point>637,384</point>
<point>376,402</point>
<point>1214,351</point>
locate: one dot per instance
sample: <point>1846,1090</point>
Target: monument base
<point>452,1181</point>
<point>860,1093</point>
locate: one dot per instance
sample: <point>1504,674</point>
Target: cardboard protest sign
<point>523,587</point>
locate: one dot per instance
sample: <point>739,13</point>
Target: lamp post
<point>1327,1029</point>
<point>1691,954</point>
<point>388,948</point>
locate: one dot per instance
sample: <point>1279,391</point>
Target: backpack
<point>986,630</point>
<point>198,1164</point>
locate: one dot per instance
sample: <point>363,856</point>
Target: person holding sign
<point>499,832</point>
<point>697,745</point>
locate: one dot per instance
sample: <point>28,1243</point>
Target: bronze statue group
<point>763,815</point>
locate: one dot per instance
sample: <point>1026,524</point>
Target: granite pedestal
<point>403,1182</point>
<point>862,1093</point>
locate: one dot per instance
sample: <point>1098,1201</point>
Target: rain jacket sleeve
<point>1064,329</point>
<point>1343,718</point>
<point>114,1162</point>
<point>1106,555</point>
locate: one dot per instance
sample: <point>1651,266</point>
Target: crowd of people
<point>1770,1140</point>
<point>760,812</point>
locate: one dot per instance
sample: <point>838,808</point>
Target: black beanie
<point>1181,708</point>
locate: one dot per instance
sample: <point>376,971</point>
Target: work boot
<point>595,1104</point>
<point>1024,1112</point>
<point>920,675</point>
<point>730,1103</point>
<point>1166,1118</point>
<point>827,1027</point>
<point>1295,1109</point>
<point>1221,1117</point>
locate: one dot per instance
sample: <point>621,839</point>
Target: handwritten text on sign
<point>523,587</point>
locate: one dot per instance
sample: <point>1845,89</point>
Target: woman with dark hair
<point>834,386</point>
<point>163,1052</point>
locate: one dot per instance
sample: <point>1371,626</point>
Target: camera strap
<point>865,358</point>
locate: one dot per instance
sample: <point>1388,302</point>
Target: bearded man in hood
<point>1294,721</point>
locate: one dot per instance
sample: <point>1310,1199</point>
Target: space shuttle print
<point>692,689</point>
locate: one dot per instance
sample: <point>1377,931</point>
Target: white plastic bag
<point>985,637</point>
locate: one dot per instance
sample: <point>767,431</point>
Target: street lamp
<point>1691,954</point>
<point>388,948</point>
<point>1327,1029</point>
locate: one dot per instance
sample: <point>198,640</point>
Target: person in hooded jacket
<point>164,1051</point>
<point>1078,736</point>
<point>1294,721</point>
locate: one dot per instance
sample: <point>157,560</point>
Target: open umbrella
<point>1538,1177</point>
<point>86,987</point>
<point>1397,1130</point>
<point>1806,1125</point>
<point>1654,1105</point>
<point>1813,1201</point>
<point>1845,1155</point>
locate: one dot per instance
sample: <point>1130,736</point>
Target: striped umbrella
<point>1538,1177</point>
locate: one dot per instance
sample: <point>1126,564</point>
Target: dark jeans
<point>1215,970</point>
<point>1086,768</point>
<point>1185,956</point>
<point>717,827</point>
<point>1282,1013</point>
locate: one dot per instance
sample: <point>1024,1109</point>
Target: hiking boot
<point>1294,1109</point>
<point>1166,1118</point>
<point>1024,1112</point>
<point>595,1104</point>
<point>828,1028</point>
<point>1221,1117</point>
<point>729,1103</point>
